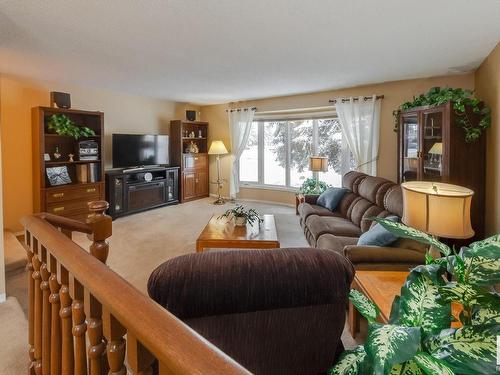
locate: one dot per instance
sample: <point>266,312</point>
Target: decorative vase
<point>240,221</point>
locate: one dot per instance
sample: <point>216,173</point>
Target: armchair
<point>274,311</point>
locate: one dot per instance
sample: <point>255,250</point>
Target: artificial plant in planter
<point>313,186</point>
<point>419,339</point>
<point>461,100</point>
<point>241,216</point>
<point>63,125</point>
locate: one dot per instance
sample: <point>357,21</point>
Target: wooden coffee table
<point>379,286</point>
<point>219,233</point>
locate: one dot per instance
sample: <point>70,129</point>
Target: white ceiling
<point>212,51</point>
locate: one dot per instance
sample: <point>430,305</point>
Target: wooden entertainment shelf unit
<point>69,200</point>
<point>193,166</point>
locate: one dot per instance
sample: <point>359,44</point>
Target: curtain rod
<point>240,109</point>
<point>364,98</point>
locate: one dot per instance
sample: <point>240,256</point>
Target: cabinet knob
<point>195,158</point>
<point>58,209</point>
<point>91,190</point>
<point>58,195</point>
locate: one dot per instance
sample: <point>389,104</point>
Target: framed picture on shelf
<point>58,176</point>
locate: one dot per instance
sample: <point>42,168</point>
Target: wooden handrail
<point>151,330</point>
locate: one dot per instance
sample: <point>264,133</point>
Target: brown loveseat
<point>274,311</point>
<point>339,230</point>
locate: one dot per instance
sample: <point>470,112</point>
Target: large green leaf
<point>482,262</point>
<point>465,294</point>
<point>389,344</point>
<point>493,240</point>
<point>419,304</point>
<point>487,311</point>
<point>467,350</point>
<point>431,365</point>
<point>350,362</point>
<point>406,368</point>
<point>401,230</point>
<point>365,307</point>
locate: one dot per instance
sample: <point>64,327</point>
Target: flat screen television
<point>137,150</point>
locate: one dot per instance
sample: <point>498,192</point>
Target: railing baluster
<point>46,314</point>
<point>97,347</point>
<point>37,310</point>
<point>55,324</point>
<point>67,364</point>
<point>101,230</point>
<point>114,332</point>
<point>139,358</point>
<point>31,302</point>
<point>79,326</point>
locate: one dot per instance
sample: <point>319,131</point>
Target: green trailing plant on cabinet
<point>419,339</point>
<point>63,125</point>
<point>461,100</point>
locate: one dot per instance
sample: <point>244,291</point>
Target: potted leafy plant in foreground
<point>419,338</point>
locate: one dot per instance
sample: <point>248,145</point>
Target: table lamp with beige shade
<point>438,209</point>
<point>437,151</point>
<point>218,148</point>
<point>318,164</point>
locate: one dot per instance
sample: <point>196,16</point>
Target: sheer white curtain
<point>240,122</point>
<point>360,122</point>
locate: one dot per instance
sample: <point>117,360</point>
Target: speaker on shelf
<point>191,115</point>
<point>60,99</point>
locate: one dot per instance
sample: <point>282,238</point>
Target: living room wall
<point>395,93</point>
<point>123,113</point>
<point>487,83</point>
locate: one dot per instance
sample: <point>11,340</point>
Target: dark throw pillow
<point>378,235</point>
<point>331,197</point>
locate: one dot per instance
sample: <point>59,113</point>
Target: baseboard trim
<point>256,201</point>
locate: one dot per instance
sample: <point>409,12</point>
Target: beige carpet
<point>14,336</point>
<point>143,241</point>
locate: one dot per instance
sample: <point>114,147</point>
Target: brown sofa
<point>274,311</point>
<point>339,230</point>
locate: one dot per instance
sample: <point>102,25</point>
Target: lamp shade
<point>436,208</point>
<point>436,149</point>
<point>217,148</point>
<point>318,163</point>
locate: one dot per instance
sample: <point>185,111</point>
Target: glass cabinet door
<point>410,148</point>
<point>432,147</point>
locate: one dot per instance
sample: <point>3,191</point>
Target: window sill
<point>269,187</point>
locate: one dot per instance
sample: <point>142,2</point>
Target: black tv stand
<point>139,189</point>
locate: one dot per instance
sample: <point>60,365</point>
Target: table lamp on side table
<point>318,164</point>
<point>439,209</point>
<point>218,148</point>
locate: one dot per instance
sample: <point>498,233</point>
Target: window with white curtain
<point>277,152</point>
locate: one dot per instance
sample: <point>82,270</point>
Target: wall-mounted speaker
<point>60,99</point>
<point>191,115</point>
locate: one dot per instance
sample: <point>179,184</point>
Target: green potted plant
<point>313,186</point>
<point>63,125</point>
<point>242,216</point>
<point>419,338</point>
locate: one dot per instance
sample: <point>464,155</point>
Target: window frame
<point>345,153</point>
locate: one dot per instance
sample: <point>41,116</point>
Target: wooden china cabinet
<point>83,178</point>
<point>193,178</point>
<point>432,147</point>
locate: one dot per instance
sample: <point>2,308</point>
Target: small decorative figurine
<point>192,148</point>
<point>57,154</point>
<point>199,134</point>
<point>191,135</point>
<point>71,158</point>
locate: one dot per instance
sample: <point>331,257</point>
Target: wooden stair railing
<point>86,319</point>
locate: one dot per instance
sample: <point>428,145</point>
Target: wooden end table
<point>379,286</point>
<point>299,198</point>
<point>218,233</point>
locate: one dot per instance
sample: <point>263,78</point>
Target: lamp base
<point>219,201</point>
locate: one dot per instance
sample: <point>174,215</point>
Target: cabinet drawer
<point>70,208</point>
<point>91,192</point>
<point>194,161</point>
